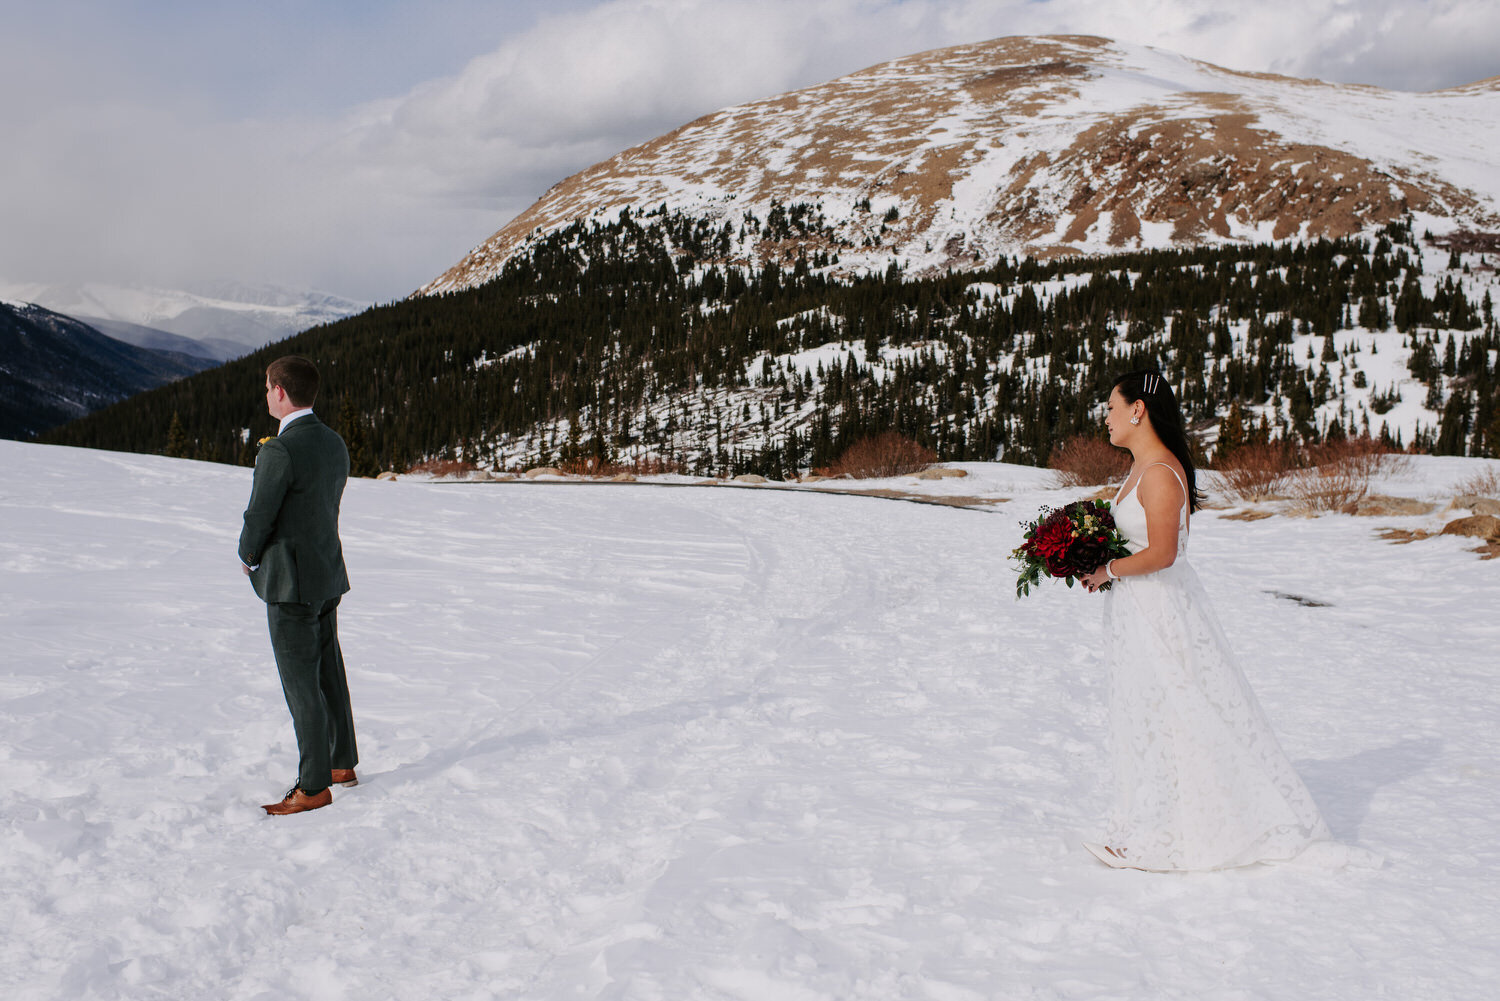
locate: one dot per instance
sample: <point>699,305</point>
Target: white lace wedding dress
<point>1200,779</point>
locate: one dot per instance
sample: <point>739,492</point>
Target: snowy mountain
<point>54,368</point>
<point>159,340</point>
<point>1045,147</point>
<point>228,319</point>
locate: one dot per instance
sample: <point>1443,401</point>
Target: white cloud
<point>374,201</point>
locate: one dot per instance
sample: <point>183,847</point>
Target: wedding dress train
<point>1200,779</point>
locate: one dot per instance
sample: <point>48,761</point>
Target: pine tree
<point>1233,432</point>
<point>351,428</point>
<point>177,440</point>
<point>1453,429</point>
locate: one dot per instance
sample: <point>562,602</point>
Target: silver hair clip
<point>1149,383</point>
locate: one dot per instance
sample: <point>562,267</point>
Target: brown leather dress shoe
<point>297,801</point>
<point>343,777</point>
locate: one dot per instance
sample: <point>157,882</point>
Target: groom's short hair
<point>297,377</point>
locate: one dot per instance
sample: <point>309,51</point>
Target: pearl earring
<point>1135,420</point>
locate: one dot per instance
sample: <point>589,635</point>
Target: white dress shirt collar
<point>293,416</point>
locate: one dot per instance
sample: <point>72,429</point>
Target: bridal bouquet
<point>1067,542</point>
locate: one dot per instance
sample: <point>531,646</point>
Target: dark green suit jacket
<point>291,532</point>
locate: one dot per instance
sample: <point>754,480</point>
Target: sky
<point>361,147</point>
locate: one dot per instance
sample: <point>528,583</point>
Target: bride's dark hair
<point>1152,389</point>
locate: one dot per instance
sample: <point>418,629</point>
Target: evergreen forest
<point>640,338</point>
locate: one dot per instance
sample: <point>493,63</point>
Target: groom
<point>290,549</point>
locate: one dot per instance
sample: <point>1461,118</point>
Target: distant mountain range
<point>54,368</point>
<point>219,320</point>
<point>1040,147</point>
<point>159,340</point>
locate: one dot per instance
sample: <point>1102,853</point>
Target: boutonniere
<point>264,440</point>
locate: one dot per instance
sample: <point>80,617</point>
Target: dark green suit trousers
<point>305,639</point>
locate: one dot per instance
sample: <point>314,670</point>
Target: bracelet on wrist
<point>1109,570</point>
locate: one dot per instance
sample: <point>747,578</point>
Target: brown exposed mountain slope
<point>1047,146</point>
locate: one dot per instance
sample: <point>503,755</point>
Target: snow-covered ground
<point>636,742</point>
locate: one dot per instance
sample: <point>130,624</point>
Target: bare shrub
<point>656,465</point>
<point>1483,484</point>
<point>1339,473</point>
<point>886,454</point>
<point>590,465</point>
<point>1364,454</point>
<point>444,468</point>
<point>1334,475</point>
<point>641,465</point>
<point>1257,472</point>
<point>1086,460</point>
<point>1333,487</point>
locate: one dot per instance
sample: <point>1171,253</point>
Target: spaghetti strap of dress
<point>1169,469</point>
<point>1123,493</point>
<point>1183,519</point>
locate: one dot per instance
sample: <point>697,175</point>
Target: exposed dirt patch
<point>946,501</point>
<point>1125,227</point>
<point>930,180</point>
<point>1200,171</point>
<point>1249,514</point>
<point>1401,536</point>
<point>988,85</point>
<point>884,493</point>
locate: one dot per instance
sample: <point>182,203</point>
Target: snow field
<point>633,742</point>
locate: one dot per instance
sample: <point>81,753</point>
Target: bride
<point>1200,780</point>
